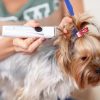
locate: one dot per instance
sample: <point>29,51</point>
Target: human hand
<point>28,45</point>
<point>63,23</point>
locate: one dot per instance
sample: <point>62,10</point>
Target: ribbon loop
<point>82,32</point>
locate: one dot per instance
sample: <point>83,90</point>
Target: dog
<point>59,66</point>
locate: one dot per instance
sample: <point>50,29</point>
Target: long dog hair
<point>54,71</point>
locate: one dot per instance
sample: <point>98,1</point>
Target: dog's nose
<point>97,70</point>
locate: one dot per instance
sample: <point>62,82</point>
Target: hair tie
<point>82,32</point>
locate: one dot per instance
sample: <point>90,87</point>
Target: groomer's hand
<point>28,45</point>
<point>63,23</point>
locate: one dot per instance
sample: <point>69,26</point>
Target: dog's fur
<point>53,70</point>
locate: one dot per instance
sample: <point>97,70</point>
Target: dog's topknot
<point>80,56</point>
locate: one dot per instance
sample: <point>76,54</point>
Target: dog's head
<point>80,56</point>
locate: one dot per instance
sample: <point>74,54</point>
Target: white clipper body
<point>26,31</point>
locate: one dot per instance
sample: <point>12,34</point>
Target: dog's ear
<point>82,20</point>
<point>62,54</point>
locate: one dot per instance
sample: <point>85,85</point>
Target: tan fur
<point>86,49</point>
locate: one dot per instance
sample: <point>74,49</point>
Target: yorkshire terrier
<point>54,71</point>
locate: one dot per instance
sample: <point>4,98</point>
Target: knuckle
<point>15,41</point>
<point>30,50</point>
<point>39,41</point>
<point>25,45</point>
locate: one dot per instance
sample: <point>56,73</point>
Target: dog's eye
<point>83,58</point>
<point>97,70</point>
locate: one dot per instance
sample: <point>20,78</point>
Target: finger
<point>32,23</point>
<point>64,21</point>
<point>31,48</point>
<point>35,45</point>
<point>18,49</point>
<point>63,24</point>
<point>23,43</point>
<point>29,41</point>
<point>19,42</point>
<point>65,31</point>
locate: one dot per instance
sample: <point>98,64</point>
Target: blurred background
<point>93,7</point>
